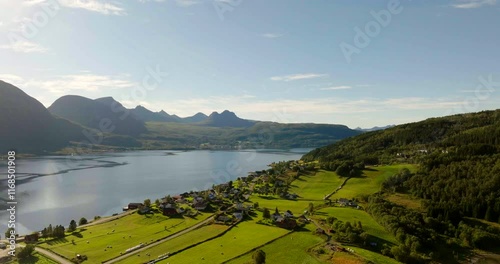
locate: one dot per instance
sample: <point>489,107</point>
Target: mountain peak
<point>226,119</point>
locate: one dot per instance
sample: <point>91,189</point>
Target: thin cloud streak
<point>24,46</point>
<point>342,87</point>
<point>295,77</point>
<point>469,4</point>
<point>97,6</point>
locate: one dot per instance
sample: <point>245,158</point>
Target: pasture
<point>176,244</point>
<point>107,240</point>
<point>237,241</point>
<point>288,249</point>
<point>352,215</point>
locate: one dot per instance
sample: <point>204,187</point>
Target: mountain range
<point>105,123</point>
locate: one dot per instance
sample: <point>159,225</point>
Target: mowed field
<point>129,231</point>
<point>310,188</point>
<point>237,241</point>
<point>292,248</point>
<point>370,182</point>
<point>35,258</point>
<point>352,215</point>
<point>176,244</point>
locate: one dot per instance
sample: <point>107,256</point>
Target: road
<point>183,232</point>
<point>49,255</point>
<point>52,256</point>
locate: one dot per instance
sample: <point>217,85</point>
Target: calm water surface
<point>54,190</point>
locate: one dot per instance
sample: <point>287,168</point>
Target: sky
<point>358,63</point>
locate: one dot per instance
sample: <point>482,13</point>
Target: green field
<point>176,244</point>
<point>129,231</point>
<point>35,258</point>
<point>353,215</point>
<point>310,188</point>
<point>370,182</point>
<point>374,257</point>
<point>288,249</point>
<point>237,241</point>
<point>316,187</point>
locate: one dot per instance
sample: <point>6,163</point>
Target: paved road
<point>183,232</point>
<point>49,255</point>
<point>53,256</point>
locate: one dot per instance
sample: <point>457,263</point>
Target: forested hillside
<point>458,182</point>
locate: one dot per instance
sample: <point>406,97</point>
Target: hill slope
<point>28,127</point>
<point>458,182</point>
<point>99,113</point>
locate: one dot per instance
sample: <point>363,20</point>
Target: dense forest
<point>457,182</point>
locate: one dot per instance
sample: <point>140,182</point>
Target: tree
<point>72,226</point>
<point>266,214</point>
<point>311,208</point>
<point>256,205</point>
<point>259,257</point>
<point>26,252</point>
<point>157,202</point>
<point>83,221</point>
<point>147,202</point>
<point>7,233</point>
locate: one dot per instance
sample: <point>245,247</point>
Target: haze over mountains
<point>105,122</point>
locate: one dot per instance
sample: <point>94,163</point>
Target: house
<point>240,206</point>
<point>166,205</point>
<point>224,218</point>
<point>144,209</point>
<point>279,183</point>
<point>288,214</point>
<point>3,246</point>
<point>170,211</point>
<point>287,223</point>
<point>200,205</point>
<point>238,215</point>
<point>346,202</point>
<point>33,238</point>
<point>343,201</point>
<point>132,206</point>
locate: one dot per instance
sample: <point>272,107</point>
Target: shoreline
<point>111,210</point>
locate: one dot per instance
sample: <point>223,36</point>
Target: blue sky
<point>280,60</point>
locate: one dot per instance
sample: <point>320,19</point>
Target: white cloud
<point>295,77</point>
<point>83,82</point>
<point>11,78</point>
<point>98,6</point>
<point>24,46</point>
<point>342,87</point>
<point>272,35</point>
<point>94,6</point>
<point>33,2</point>
<point>468,4</point>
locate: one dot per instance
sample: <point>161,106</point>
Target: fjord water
<point>55,189</point>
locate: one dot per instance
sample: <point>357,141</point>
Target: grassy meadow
<point>237,241</point>
<point>176,244</point>
<point>287,249</point>
<point>129,231</point>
